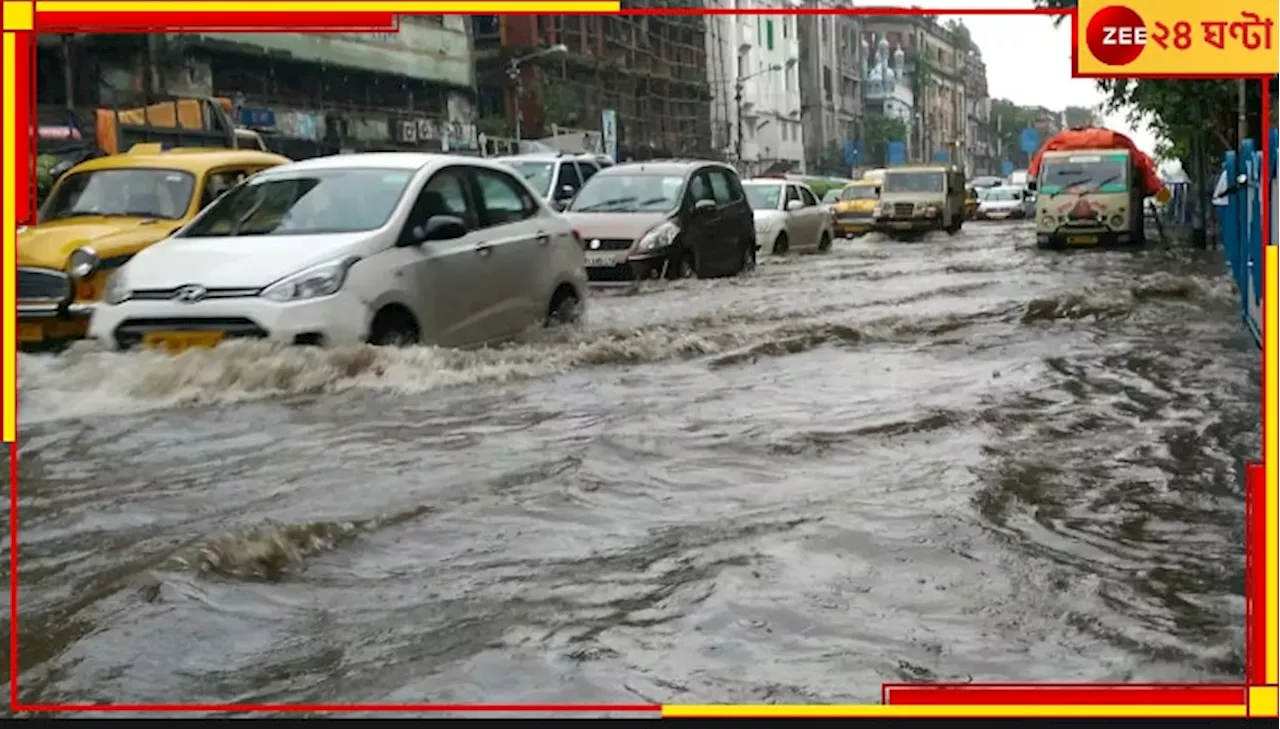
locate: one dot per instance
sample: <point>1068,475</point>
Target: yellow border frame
<point>20,16</point>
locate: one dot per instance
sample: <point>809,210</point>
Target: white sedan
<point>788,217</point>
<point>386,248</point>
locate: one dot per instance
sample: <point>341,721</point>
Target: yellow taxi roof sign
<point>146,148</point>
<point>1163,195</point>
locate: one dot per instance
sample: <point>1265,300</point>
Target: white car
<point>1001,203</point>
<point>386,248</point>
<point>788,216</point>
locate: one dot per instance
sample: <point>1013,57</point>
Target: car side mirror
<point>566,192</point>
<point>794,205</point>
<point>703,206</point>
<point>437,227</point>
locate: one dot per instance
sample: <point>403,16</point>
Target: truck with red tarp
<point>1090,186</point>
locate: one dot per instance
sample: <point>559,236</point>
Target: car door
<point>796,233</point>
<point>516,251</point>
<point>812,216</point>
<point>444,281</point>
<point>700,227</point>
<point>726,235</point>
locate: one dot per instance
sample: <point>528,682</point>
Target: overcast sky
<point>1028,59</point>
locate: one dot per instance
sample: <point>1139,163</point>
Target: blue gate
<point>1240,223</point>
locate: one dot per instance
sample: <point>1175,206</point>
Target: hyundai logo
<point>190,294</point>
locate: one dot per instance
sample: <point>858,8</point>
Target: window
<point>136,192</point>
<point>308,201</point>
<point>759,31</point>
<point>782,128</point>
<point>586,170</point>
<point>445,194</point>
<point>720,186</point>
<point>538,174</point>
<point>504,200</point>
<point>792,194</point>
<point>807,196</point>
<point>786,27</point>
<point>699,189</point>
<point>768,34</point>
<point>219,182</point>
<point>568,176</point>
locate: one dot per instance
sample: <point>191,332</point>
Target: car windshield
<point>763,197</point>
<point>999,194</point>
<point>316,201</point>
<point>914,181</point>
<point>831,197</point>
<point>628,193</point>
<point>538,174</point>
<point>1085,173</point>
<point>858,192</point>
<point>123,192</point>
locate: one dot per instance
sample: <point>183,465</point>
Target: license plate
<point>30,332</point>
<point>900,226</point>
<point>1081,240</point>
<point>601,259</point>
<point>173,342</point>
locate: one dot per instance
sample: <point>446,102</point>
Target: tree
<point>1007,122</point>
<point>878,132</point>
<point>1079,116</point>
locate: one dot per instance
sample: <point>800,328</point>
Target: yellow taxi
<point>855,210</point>
<point>102,212</point>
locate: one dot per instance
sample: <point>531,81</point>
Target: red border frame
<point>898,694</point>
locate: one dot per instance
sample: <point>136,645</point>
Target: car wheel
<point>565,308</point>
<point>394,327</point>
<point>781,245</point>
<point>682,266</point>
<point>824,244</point>
<point>748,257</point>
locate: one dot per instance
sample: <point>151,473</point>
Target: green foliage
<point>877,132</point>
<point>1007,122</point>
<point>1079,116</point>
<point>44,178</point>
<point>494,126</point>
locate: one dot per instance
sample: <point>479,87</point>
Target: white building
<point>887,91</point>
<point>752,68</point>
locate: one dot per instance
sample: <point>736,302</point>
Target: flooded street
<point>961,459</point>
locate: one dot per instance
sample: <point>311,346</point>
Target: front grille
<point>611,244</point>
<point>853,217</point>
<point>129,333</point>
<point>610,274</point>
<point>166,294</point>
<point>36,284</point>
<point>903,210</point>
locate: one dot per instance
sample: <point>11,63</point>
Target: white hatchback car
<point>387,248</point>
<point>788,216</point>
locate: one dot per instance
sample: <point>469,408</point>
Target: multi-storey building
<point>830,87</point>
<point>308,93</point>
<point>980,157</point>
<point>887,92</point>
<point>935,65</point>
<point>649,71</point>
<point>753,72</point>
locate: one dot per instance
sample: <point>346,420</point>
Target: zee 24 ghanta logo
<point>1117,35</point>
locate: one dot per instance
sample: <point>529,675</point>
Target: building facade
<point>650,72</point>
<point>830,81</point>
<point>887,93</point>
<point>308,94</point>
<point>753,73</point>
<point>980,155</point>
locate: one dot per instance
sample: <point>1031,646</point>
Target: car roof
<point>664,167</point>
<point>771,181</point>
<point>919,168</point>
<point>547,157</point>
<point>391,160</point>
<point>196,160</point>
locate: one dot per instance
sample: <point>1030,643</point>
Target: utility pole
<point>737,103</point>
<point>513,73</point>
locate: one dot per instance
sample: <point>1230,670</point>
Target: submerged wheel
<point>394,327</point>
<point>824,244</point>
<point>565,308</point>
<point>781,245</point>
<point>682,266</point>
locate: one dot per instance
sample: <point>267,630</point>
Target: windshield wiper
<point>603,203</point>
<point>1100,185</point>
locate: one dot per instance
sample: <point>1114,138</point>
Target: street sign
<point>1006,168</point>
<point>852,152</point>
<point>609,127</point>
<point>1030,140</point>
<point>897,153</point>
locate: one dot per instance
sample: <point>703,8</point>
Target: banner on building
<point>942,154</point>
<point>852,152</point>
<point>609,131</point>
<point>897,153</point>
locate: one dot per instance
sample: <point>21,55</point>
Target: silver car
<point>557,177</point>
<point>788,216</point>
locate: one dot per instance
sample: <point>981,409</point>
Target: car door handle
<point>543,239</point>
<point>483,249</point>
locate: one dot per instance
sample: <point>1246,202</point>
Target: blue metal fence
<point>1240,223</point>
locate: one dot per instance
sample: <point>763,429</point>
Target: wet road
<point>952,460</point>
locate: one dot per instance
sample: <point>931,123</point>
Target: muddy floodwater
<point>959,459</point>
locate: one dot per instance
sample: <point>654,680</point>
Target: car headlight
<point>1117,221</point>
<point>325,279</point>
<point>117,289</point>
<point>660,237</point>
<point>83,262</point>
<point>930,209</point>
